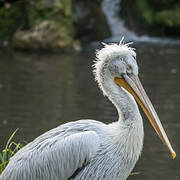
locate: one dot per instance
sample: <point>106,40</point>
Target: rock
<point>77,46</point>
<point>89,20</point>
<point>47,35</point>
<point>50,26</point>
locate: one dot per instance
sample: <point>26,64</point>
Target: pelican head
<point>116,66</point>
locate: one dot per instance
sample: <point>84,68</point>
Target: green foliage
<point>36,14</point>
<point>165,17</point>
<point>10,149</point>
<point>40,11</point>
<point>10,19</point>
<point>135,173</point>
<point>170,18</point>
<point>167,14</point>
<point>147,11</point>
<point>66,5</point>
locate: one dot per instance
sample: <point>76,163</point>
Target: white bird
<point>88,149</point>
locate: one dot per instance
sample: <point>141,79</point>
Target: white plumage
<point>88,149</point>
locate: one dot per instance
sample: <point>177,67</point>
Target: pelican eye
<point>129,68</point>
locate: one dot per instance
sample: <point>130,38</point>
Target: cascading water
<point>111,10</point>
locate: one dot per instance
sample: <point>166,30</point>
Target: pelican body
<point>88,149</point>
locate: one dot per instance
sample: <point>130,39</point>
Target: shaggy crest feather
<point>108,53</point>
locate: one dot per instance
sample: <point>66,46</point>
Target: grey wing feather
<point>61,154</point>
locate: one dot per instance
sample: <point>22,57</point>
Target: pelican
<point>89,149</point>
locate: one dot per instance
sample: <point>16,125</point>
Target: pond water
<point>40,91</point>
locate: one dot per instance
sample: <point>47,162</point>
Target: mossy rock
<point>47,35</point>
<point>50,25</point>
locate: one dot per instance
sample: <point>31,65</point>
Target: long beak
<point>133,85</point>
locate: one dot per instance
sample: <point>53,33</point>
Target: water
<point>41,91</point>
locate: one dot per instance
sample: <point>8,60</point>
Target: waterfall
<point>111,10</point>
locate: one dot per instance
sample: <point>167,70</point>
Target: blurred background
<point>46,55</point>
